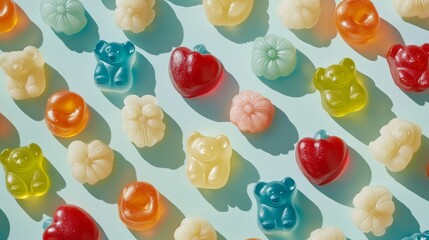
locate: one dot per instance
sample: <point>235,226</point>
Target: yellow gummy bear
<point>227,12</point>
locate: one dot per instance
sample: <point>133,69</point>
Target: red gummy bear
<point>409,66</point>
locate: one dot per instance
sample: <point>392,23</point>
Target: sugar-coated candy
<point>276,206</point>
<point>208,164</point>
<point>340,89</point>
<point>139,206</point>
<point>227,12</point>
<point>323,158</point>
<point>115,61</point>
<point>357,21</point>
<point>90,162</point>
<point>72,223</point>
<point>418,236</point>
<point>8,16</point>
<point>299,14</point>
<point>134,15</point>
<point>194,72</point>
<point>395,146</point>
<point>195,228</point>
<point>25,171</point>
<point>142,120</point>
<point>327,233</point>
<point>64,16</point>
<point>373,210</point>
<point>273,57</point>
<point>409,66</point>
<point>412,8</point>
<point>251,112</point>
<point>66,114</point>
<point>25,73</point>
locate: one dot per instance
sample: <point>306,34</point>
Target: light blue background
<point>266,157</point>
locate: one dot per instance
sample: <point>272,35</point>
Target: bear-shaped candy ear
<point>223,141</point>
<point>258,188</point>
<point>387,129</point>
<point>318,78</point>
<point>35,149</point>
<point>348,63</point>
<point>129,46</point>
<point>289,183</point>
<point>194,136</point>
<point>100,45</point>
<point>32,52</point>
<point>4,156</point>
<point>393,51</point>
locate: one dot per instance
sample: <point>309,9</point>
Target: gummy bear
<point>340,90</point>
<point>25,171</point>
<point>8,15</point>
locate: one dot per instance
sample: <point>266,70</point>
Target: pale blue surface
<point>269,156</point>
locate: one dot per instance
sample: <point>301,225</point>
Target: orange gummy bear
<point>66,114</point>
<point>357,21</point>
<point>139,206</point>
<point>8,15</point>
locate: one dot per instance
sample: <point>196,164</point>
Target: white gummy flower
<point>195,229</point>
<point>412,8</point>
<point>134,15</point>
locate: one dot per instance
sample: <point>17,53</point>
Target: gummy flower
<point>412,8</point>
<point>195,228</point>
<point>66,16</point>
<point>273,57</point>
<point>90,162</point>
<point>299,14</point>
<point>327,233</point>
<point>373,210</point>
<point>134,15</point>
<point>251,112</point>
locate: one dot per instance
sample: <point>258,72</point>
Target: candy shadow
<point>419,97</point>
<point>279,138</point>
<point>216,104</point>
<point>163,34</point>
<point>404,224</point>
<point>4,226</point>
<point>83,41</point>
<point>422,23</point>
<point>386,36</point>
<point>168,153</point>
<point>96,128</point>
<point>109,4</point>
<point>321,34</point>
<point>36,207</point>
<point>9,137</point>
<point>356,175</point>
<point>256,25</point>
<point>310,218</point>
<point>234,193</point>
<point>110,188</point>
<point>24,34</point>
<point>299,82</point>
<point>144,82</point>
<point>102,235</point>
<point>170,219</point>
<point>414,176</point>
<point>35,107</point>
<point>366,123</point>
<point>186,3</point>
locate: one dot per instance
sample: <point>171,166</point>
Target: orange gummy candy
<point>139,206</point>
<point>8,15</point>
<point>357,21</point>
<point>66,114</point>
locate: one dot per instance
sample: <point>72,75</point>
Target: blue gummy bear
<point>113,72</point>
<point>276,206</point>
<point>418,236</point>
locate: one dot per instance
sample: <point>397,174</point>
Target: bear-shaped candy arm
<point>418,236</point>
<point>397,143</point>
<point>276,206</point>
<point>26,76</point>
<point>113,72</point>
<point>25,171</point>
<point>209,158</point>
<point>340,90</point>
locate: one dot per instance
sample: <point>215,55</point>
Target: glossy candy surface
<point>25,171</point>
<point>273,57</point>
<point>115,61</point>
<point>139,206</point>
<point>327,233</point>
<point>251,112</point>
<point>194,73</point>
<point>227,12</point>
<point>8,15</point>
<point>276,206</point>
<point>196,229</point>
<point>357,21</point>
<point>208,164</point>
<point>323,158</point>
<point>340,89</point>
<point>418,236</point>
<point>66,114</point>
<point>395,146</point>
<point>25,73</point>
<point>72,223</point>
<point>412,8</point>
<point>409,66</point>
<point>134,15</point>
<point>299,14</point>
<point>64,16</point>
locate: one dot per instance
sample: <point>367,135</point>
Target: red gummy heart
<point>194,73</point>
<point>72,223</point>
<point>322,160</point>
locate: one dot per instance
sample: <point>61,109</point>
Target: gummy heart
<point>194,73</point>
<point>323,158</point>
<point>72,223</point>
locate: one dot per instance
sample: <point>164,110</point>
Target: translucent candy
<point>327,233</point>
<point>412,8</point>
<point>195,228</point>
<point>227,12</point>
<point>299,14</point>
<point>8,16</point>
<point>64,16</point>
<point>134,15</point>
